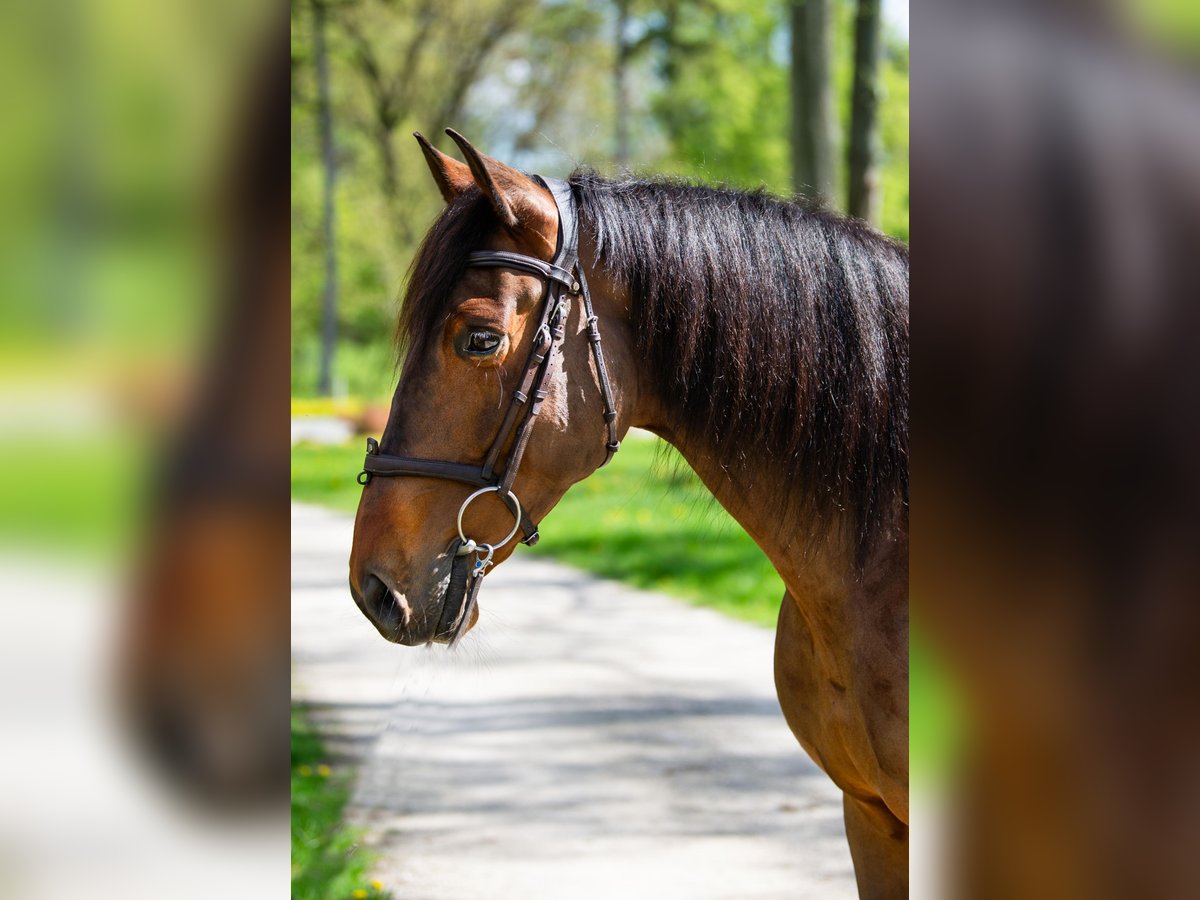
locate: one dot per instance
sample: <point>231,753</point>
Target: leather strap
<point>502,259</point>
<point>568,258</point>
<point>377,463</point>
<point>462,595</point>
<point>474,583</point>
<point>456,591</point>
<point>567,253</point>
<point>532,382</point>
<point>610,407</point>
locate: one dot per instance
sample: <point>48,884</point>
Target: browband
<point>502,259</point>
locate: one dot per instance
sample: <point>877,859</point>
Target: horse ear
<point>523,206</point>
<point>452,177</point>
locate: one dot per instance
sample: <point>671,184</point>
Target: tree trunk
<point>397,206</point>
<point>812,99</point>
<point>325,126</point>
<point>863,157</point>
<point>620,86</point>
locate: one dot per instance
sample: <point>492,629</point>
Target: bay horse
<point>766,340</point>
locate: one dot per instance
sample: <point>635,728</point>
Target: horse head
<point>503,401</point>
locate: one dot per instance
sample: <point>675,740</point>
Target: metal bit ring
<point>516,514</point>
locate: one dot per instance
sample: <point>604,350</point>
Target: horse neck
<point>814,559</point>
<point>802,550</point>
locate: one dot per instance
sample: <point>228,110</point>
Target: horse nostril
<point>374,592</point>
<point>382,606</point>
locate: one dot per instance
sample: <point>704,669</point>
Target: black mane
<point>780,329</point>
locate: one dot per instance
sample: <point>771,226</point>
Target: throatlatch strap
<point>568,258</point>
<point>377,463</point>
<point>610,407</point>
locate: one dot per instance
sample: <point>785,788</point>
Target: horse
<point>765,339</point>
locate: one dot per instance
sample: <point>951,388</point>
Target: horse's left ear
<point>452,177</point>
<point>523,206</point>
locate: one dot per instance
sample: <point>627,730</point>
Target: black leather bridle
<point>563,279</point>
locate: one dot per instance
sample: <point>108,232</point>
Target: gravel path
<point>586,740</point>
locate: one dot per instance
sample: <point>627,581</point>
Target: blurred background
<point>703,89</point>
<point>133,177</point>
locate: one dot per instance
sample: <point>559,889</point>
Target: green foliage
<point>328,862</point>
<point>708,86</point>
<point>366,369</point>
<point>1172,24</point>
<point>644,519</point>
<point>325,474</point>
<point>893,130</point>
<point>723,99</point>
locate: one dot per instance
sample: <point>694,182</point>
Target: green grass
<point>328,862</point>
<point>645,519</point>
<point>49,499</point>
<point>326,474</point>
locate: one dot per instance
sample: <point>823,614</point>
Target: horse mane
<point>779,329</point>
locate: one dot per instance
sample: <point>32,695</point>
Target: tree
<point>718,98</point>
<point>706,87</point>
<point>620,83</point>
<point>812,99</point>
<point>863,153</point>
<point>325,126</point>
<point>417,67</point>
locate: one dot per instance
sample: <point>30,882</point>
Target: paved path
<point>586,740</point>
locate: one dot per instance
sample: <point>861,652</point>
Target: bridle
<point>563,279</point>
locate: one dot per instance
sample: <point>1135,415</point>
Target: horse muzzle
<point>444,621</point>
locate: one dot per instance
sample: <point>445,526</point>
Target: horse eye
<point>482,342</point>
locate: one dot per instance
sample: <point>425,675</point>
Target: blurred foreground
<point>143,450</point>
<point>1056,185</point>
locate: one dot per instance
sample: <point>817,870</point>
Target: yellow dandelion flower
<point>306,771</point>
<point>378,885</point>
<point>324,771</point>
<point>359,894</point>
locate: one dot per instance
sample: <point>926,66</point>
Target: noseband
<point>563,279</point>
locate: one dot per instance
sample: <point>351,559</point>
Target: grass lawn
<point>328,862</point>
<point>49,501</point>
<point>645,519</point>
